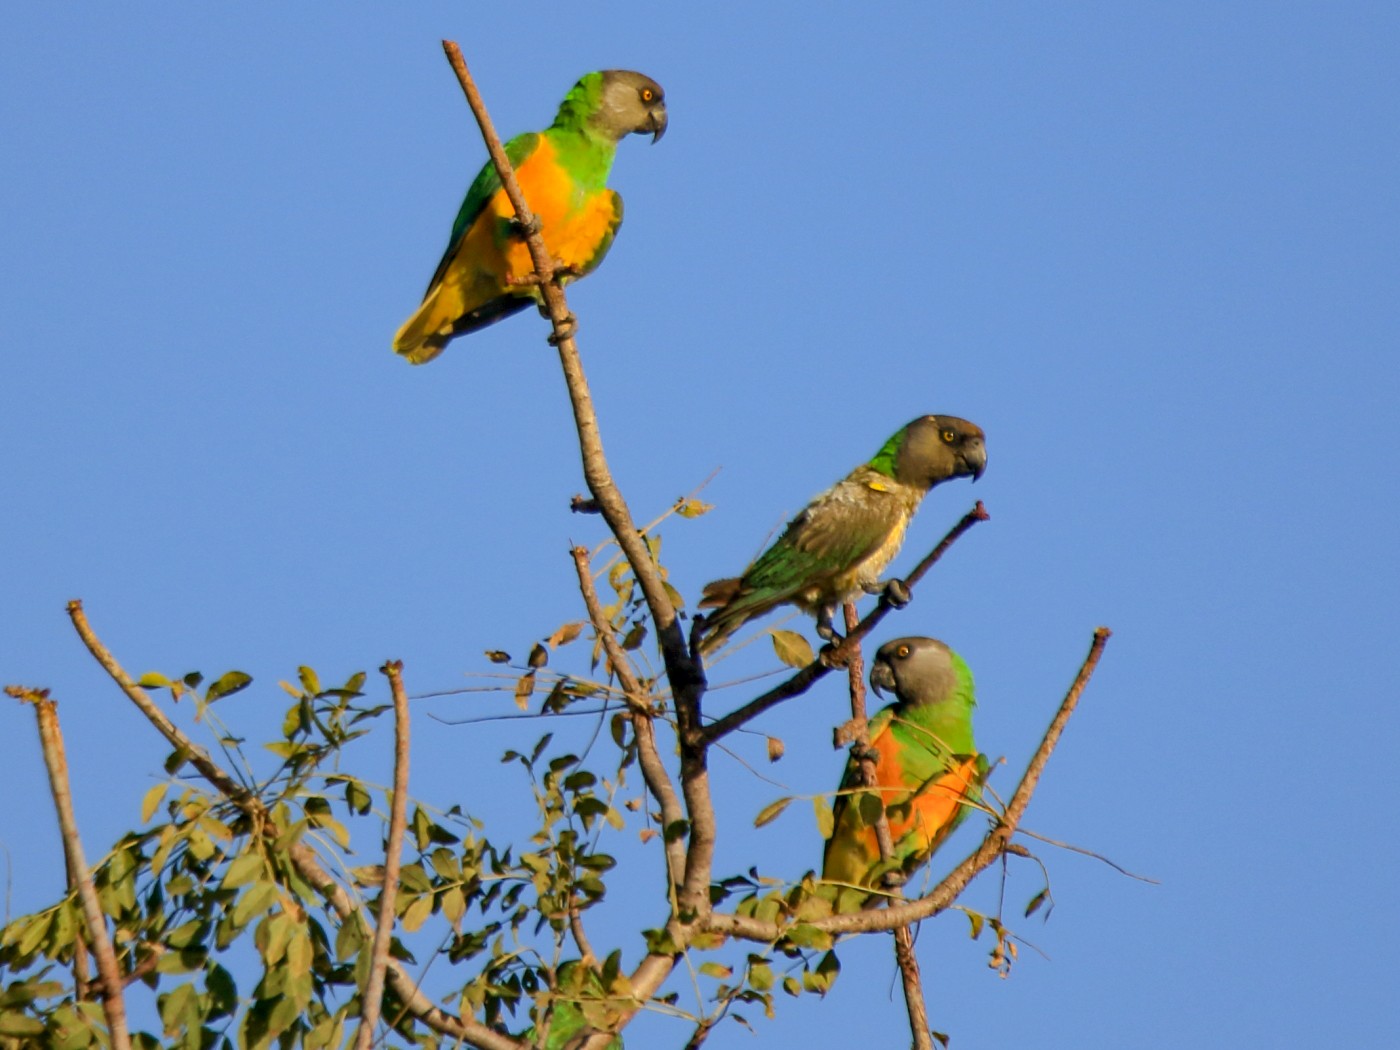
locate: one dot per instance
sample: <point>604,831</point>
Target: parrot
<point>577,982</point>
<point>563,172</point>
<point>841,541</point>
<point>928,772</point>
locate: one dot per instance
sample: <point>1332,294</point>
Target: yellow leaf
<point>152,801</point>
<point>566,634</point>
<point>792,648</point>
<point>692,508</point>
<point>523,689</point>
<point>770,812</point>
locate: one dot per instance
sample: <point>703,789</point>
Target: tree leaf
<point>227,685</point>
<point>498,656</point>
<point>692,508</point>
<point>152,801</point>
<point>566,634</point>
<point>826,821</point>
<point>523,690</point>
<point>539,656</point>
<point>770,812</point>
<point>792,648</point>
<point>775,749</point>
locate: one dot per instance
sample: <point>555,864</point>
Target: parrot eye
<point>949,436</point>
<point>648,94</point>
<point>902,651</point>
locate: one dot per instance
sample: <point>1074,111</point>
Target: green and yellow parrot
<point>841,542</point>
<point>928,772</point>
<point>563,172</point>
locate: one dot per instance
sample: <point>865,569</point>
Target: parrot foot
<point>896,592</point>
<point>565,330</point>
<point>524,230</point>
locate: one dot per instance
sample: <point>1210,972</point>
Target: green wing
<point>836,531</point>
<point>482,189</point>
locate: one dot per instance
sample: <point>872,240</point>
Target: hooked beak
<point>881,674</point>
<point>975,459</point>
<point>656,124</point>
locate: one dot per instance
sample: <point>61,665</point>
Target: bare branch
<point>108,974</point>
<point>687,678</point>
<point>829,658</point>
<point>643,728</point>
<point>903,938</point>
<point>302,856</point>
<point>997,841</point>
<point>393,856</point>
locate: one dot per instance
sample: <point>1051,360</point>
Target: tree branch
<point>996,842</point>
<point>393,856</point>
<point>829,658</point>
<point>643,728</point>
<point>108,974</point>
<point>903,938</point>
<point>686,676</point>
<point>302,856</point>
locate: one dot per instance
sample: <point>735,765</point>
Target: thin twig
<point>683,671</point>
<point>393,856</point>
<point>108,974</point>
<point>658,781</point>
<point>996,842</point>
<point>302,856</point>
<point>903,937</point>
<point>687,679</point>
<point>828,659</point>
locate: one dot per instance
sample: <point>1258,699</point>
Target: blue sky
<point>1151,249</point>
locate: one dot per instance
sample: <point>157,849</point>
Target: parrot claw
<point>523,230</point>
<point>897,594</point>
<point>565,330</point>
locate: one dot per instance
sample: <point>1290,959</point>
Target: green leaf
<point>309,682</point>
<point>770,812</point>
<point>417,913</point>
<point>17,1024</point>
<point>826,820</point>
<point>716,970</point>
<point>792,648</point>
<point>1036,902</point>
<point>227,685</point>
<point>977,919</point>
<point>152,680</point>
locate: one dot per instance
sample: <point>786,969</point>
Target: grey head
<point>917,670</point>
<point>936,448</point>
<point>631,103</point>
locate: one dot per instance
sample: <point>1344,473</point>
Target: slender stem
<point>687,679</point>
<point>996,842</point>
<point>108,974</point>
<point>643,727</point>
<point>804,679</point>
<point>903,936</point>
<point>393,856</point>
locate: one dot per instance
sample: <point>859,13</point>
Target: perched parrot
<point>563,172</point>
<point>577,983</point>
<point>927,770</point>
<point>842,540</point>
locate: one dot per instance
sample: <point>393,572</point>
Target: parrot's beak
<point>975,458</point>
<point>881,674</point>
<point>656,124</point>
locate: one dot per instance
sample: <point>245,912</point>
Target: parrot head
<point>631,103</point>
<point>917,670</point>
<point>937,448</point>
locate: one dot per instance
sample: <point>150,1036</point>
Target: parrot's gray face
<point>632,103</point>
<point>937,448</point>
<point>916,670</point>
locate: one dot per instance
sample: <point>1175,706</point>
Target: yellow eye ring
<point>902,651</point>
<point>648,94</point>
<point>949,436</point>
